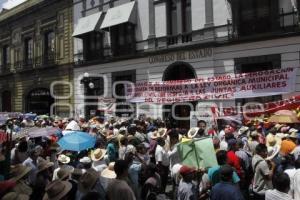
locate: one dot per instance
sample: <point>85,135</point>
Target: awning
<point>88,24</point>
<point>119,15</point>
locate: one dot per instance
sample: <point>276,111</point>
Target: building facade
<point>36,57</point>
<point>159,40</point>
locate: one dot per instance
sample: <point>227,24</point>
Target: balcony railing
<point>104,54</point>
<point>36,62</point>
<point>5,68</point>
<point>287,22</point>
<point>180,38</point>
<point>49,59</point>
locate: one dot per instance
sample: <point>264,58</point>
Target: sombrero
<point>109,171</point>
<point>98,154</point>
<point>192,132</point>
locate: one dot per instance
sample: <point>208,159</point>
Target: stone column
<point>209,13</point>
<point>151,12</point>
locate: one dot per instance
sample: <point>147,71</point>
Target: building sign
<point>40,92</point>
<point>227,86</point>
<point>182,55</point>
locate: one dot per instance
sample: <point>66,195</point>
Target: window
<point>28,51</point>
<point>49,49</point>
<point>172,17</point>
<point>5,55</point>
<point>123,39</point>
<point>258,63</point>
<point>186,16</point>
<point>257,16</point>
<point>123,108</point>
<point>93,46</point>
<point>93,86</point>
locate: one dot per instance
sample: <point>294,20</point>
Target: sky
<point>8,4</point>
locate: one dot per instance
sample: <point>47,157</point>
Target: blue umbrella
<point>77,141</point>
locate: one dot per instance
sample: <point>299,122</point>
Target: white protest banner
<point>227,86</point>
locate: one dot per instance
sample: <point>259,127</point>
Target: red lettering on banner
<point>227,86</point>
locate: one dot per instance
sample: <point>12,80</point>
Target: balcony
<point>105,54</point>
<point>286,23</point>
<point>49,59</point>
<point>5,69</point>
<point>36,62</point>
<point>178,39</point>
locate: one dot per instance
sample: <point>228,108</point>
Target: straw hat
<point>85,160</point>
<point>44,164</point>
<point>19,171</point>
<point>192,132</point>
<point>294,135</point>
<point>243,130</point>
<point>109,172</point>
<point>15,196</point>
<point>278,126</point>
<point>162,131</point>
<point>56,190</point>
<point>270,140</point>
<point>98,154</point>
<point>63,173</point>
<point>88,180</point>
<point>273,151</point>
<point>63,159</point>
<point>73,126</point>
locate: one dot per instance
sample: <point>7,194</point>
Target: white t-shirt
<point>291,173</point>
<point>296,185</point>
<point>277,195</point>
<point>161,156</point>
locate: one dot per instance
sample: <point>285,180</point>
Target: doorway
<point>178,71</point>
<point>6,101</point>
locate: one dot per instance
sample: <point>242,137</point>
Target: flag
<point>198,153</point>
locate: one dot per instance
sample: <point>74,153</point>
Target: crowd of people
<point>138,159</point>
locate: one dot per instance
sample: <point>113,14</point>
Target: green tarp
<point>198,153</point>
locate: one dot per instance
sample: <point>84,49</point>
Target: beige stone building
<point>36,57</point>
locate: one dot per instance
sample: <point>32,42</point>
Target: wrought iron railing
<point>5,68</point>
<point>286,22</point>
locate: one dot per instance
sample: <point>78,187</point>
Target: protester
<point>187,190</point>
<point>282,185</point>
<point>263,172</point>
<point>162,161</point>
<point>119,189</point>
<point>134,158</point>
<point>225,190</point>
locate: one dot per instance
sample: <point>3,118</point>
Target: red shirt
<point>234,161</point>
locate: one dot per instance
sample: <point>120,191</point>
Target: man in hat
<point>63,162</point>
<point>186,189</point>
<point>111,148</point>
<point>85,163</point>
<point>162,161</point>
<point>58,190</point>
<point>98,162</point>
<point>43,178</point>
<point>90,182</point>
<point>31,162</point>
<point>19,175</point>
<point>120,184</point>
